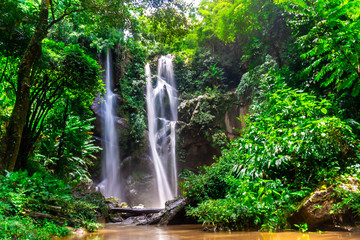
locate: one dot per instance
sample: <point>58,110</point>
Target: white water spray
<point>162,117</point>
<point>110,185</point>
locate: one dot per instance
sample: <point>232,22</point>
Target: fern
<point>331,46</point>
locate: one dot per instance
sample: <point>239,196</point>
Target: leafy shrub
<point>248,205</point>
<point>22,227</point>
<point>21,194</point>
<point>210,183</point>
<point>67,148</point>
<point>291,137</point>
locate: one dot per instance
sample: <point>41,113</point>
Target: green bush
<point>292,137</point>
<point>209,184</point>
<point>249,204</point>
<point>23,227</point>
<point>21,195</point>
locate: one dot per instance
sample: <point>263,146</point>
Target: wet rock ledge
<point>174,213</point>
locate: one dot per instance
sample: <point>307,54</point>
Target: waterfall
<point>162,116</point>
<point>110,185</point>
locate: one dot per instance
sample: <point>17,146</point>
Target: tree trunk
<point>10,143</point>
<point>27,141</point>
<point>61,162</point>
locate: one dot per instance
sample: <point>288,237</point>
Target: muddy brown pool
<point>194,232</point>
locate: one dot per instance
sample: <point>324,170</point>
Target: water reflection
<point>193,232</point>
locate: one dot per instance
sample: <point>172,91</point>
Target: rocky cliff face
<point>206,123</point>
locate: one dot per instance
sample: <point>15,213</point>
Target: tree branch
<point>12,85</point>
<point>35,67</point>
<point>6,64</point>
<point>52,9</point>
<point>63,16</point>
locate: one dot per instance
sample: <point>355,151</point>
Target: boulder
<point>116,217</point>
<point>319,212</point>
<point>174,213</point>
<point>113,203</point>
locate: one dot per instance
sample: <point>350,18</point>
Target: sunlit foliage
<point>329,34</point>
<point>291,143</point>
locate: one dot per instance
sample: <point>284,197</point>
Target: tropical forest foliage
<point>296,61</point>
<point>302,62</point>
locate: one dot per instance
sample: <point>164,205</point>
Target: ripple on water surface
<point>194,232</point>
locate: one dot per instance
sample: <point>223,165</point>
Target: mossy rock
<point>325,208</point>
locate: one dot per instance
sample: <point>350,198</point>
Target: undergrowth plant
<point>22,196</point>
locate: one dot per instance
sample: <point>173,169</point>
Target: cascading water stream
<point>162,117</point>
<point>110,185</point>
